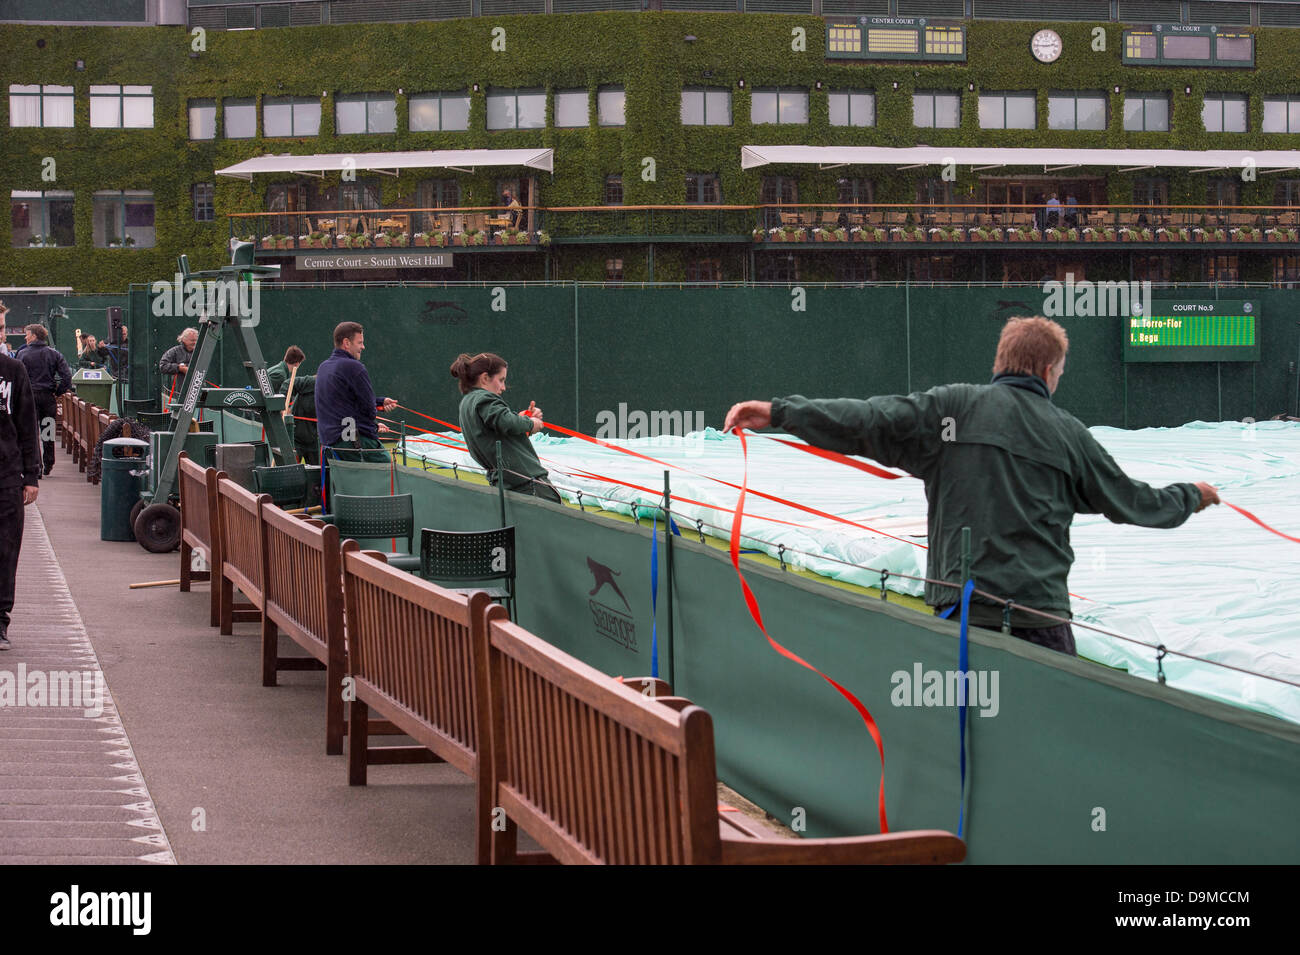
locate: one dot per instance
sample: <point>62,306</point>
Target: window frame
<point>1005,96</point>
<point>366,99</point>
<point>850,94</point>
<point>609,90</point>
<point>201,202</point>
<point>293,102</point>
<point>122,198</point>
<point>573,92</point>
<point>514,93</point>
<point>933,95</point>
<point>41,200</point>
<point>1148,96</point>
<point>779,91</point>
<point>1221,99</point>
<point>704,93</point>
<point>42,92</point>
<point>441,97</point>
<point>1074,96</point>
<point>609,184</point>
<point>702,180</point>
<point>240,103</point>
<point>1287,101</point>
<point>120,97</point>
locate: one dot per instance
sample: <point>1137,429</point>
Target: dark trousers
<point>1059,638</point>
<point>539,487</point>
<point>45,417</point>
<point>11,541</point>
<point>364,448</point>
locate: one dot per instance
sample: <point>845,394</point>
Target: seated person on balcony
<point>514,211</point>
<point>175,362</point>
<point>485,419</point>
<point>93,354</point>
<point>1053,212</point>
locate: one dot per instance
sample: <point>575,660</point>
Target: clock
<point>1046,46</point>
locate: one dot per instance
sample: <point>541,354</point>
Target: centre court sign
<point>375,260</point>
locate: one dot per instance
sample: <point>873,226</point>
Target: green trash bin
<point>94,385</point>
<point>125,467</point>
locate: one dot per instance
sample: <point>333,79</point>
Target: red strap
<point>430,417</point>
<point>836,457</point>
<point>754,612</point>
<point>1249,516</point>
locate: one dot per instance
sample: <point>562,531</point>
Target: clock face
<point>1046,46</point>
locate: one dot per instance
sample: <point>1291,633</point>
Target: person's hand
<point>29,493</point>
<point>528,412</point>
<point>1209,495</point>
<point>390,404</point>
<point>384,429</point>
<point>185,369</point>
<point>749,414</point>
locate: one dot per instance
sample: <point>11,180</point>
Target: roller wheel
<point>136,508</point>
<point>158,528</point>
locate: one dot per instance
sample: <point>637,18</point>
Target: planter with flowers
<point>984,233</point>
<point>869,233</point>
<point>907,233</point>
<point>470,237</point>
<point>1247,233</point>
<point>512,237</point>
<point>1099,234</point>
<point>316,240</point>
<point>758,235</point>
<point>1173,234</point>
<point>1137,233</point>
<point>946,234</point>
<point>837,234</point>
<point>1060,234</point>
<point>1210,234</point>
<point>1282,234</point>
<point>1024,234</point>
<point>789,233</point>
<point>543,237</point>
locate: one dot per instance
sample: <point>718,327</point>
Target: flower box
<point>470,238</point>
<point>268,242</point>
<point>1281,234</point>
<point>317,240</point>
<point>506,237</point>
<point>789,235</point>
<point>869,233</point>
<point>543,237</point>
<point>1245,234</point>
<point>1024,235</point>
<point>759,235</point>
<point>907,234</point>
<point>831,235</point>
<point>284,242</point>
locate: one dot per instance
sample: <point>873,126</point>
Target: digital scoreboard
<point>1194,331</point>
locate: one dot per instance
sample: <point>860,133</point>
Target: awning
<point>461,160</point>
<point>985,157</point>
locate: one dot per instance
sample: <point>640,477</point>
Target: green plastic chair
<point>471,555</point>
<point>287,485</point>
<point>361,517</point>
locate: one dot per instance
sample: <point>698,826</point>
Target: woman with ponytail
<point>485,419</point>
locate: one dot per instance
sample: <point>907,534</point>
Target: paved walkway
<point>233,771</point>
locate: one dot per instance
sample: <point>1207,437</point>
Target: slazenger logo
<point>611,622</point>
<point>239,398</point>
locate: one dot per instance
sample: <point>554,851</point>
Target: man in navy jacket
<point>50,376</point>
<point>20,469</point>
<point>346,401</point>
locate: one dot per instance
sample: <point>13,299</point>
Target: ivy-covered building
<point>621,134</point>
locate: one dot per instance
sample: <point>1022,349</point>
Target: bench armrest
<point>921,847</point>
<point>639,683</point>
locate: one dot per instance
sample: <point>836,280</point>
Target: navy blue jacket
<point>43,364</point>
<point>343,390</point>
<point>20,452</point>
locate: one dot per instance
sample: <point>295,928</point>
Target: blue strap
<point>963,665</point>
<point>676,530</point>
<point>654,593</point>
<point>947,613</point>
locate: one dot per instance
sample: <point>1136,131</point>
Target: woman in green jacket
<point>485,419</point>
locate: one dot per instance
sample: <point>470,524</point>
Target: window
<point>365,113</point>
<point>1281,114</point>
<point>1222,267</point>
<point>1286,268</point>
<point>1008,110</point>
<point>41,219</point>
<point>435,194</point>
<point>291,116</point>
<point>853,108</point>
<point>203,119</point>
<point>610,103</point>
<point>123,219</point>
<point>1286,192</point>
<point>852,191</point>
<point>703,188</point>
<point>933,191</point>
<point>203,205</point>
<point>571,108</point>
<point>853,268</point>
<point>777,190</point>
<point>1152,268</point>
<point>775,267</point>
<point>1151,190</point>
<point>774,105</point>
<point>121,107</point>
<point>613,270</point>
<point>239,118</point>
<point>614,190</point>
<point>933,109</point>
<point>1084,109</point>
<point>516,109</point>
<point>1223,191</point>
<point>438,112</point>
<point>1224,113</point>
<point>41,105</point>
<point>1146,112</point>
<point>702,106</point>
<point>704,270</point>
<point>362,194</point>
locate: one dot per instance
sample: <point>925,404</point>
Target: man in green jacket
<point>301,432</point>
<point>1000,459</point>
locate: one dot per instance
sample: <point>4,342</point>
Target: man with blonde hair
<point>175,363</point>
<point>1000,459</point>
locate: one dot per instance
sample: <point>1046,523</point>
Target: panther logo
<point>604,575</point>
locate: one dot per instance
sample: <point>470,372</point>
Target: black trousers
<point>1059,638</point>
<point>539,487</point>
<point>11,541</point>
<point>45,409</point>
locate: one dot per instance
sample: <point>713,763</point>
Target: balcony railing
<point>278,233</point>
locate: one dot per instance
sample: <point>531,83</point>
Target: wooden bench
<point>199,526</point>
<point>597,773</point>
<point>242,554</point>
<point>411,657</point>
<point>303,596</point>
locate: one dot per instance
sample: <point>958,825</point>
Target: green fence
<point>582,352</point>
<point>1057,774</point>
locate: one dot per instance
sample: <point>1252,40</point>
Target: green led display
<point>1194,331</point>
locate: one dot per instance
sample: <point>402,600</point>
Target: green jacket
<point>485,419</point>
<point>1004,461</point>
<point>303,385</point>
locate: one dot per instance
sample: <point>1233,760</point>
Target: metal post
<point>965,555</point>
<point>501,485</point>
<point>668,576</point>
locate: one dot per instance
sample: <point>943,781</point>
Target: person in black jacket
<point>175,363</point>
<point>50,376</point>
<point>20,464</point>
<point>93,354</point>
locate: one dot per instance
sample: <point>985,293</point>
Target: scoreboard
<point>1194,331</point>
<point>894,38</point>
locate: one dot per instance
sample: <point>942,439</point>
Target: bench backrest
<point>303,581</point>
<point>412,643</point>
<point>592,770</point>
<point>242,539</point>
<point>198,490</point>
